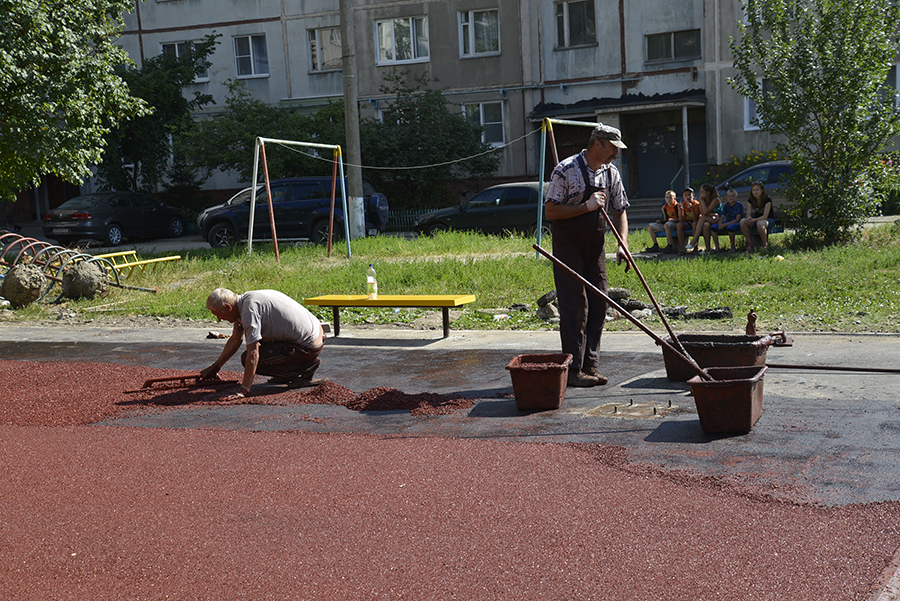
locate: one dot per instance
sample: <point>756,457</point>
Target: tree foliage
<point>422,144</point>
<point>226,140</point>
<point>59,93</point>
<point>816,70</point>
<point>139,150</point>
<point>411,155</point>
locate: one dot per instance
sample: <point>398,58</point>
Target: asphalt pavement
<point>829,437</point>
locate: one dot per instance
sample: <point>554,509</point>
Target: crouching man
<point>283,338</point>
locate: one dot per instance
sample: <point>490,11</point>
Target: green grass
<point>850,289</point>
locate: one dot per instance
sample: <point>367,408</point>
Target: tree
<point>139,150</point>
<point>59,93</point>
<point>419,129</point>
<point>816,70</point>
<point>225,141</point>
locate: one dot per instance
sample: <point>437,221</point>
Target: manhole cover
<point>632,410</point>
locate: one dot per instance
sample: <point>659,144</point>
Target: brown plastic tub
<point>715,351</point>
<point>732,401</point>
<point>539,381</point>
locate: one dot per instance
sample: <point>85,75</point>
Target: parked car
<point>242,196</point>
<point>769,174</point>
<point>301,207</point>
<point>502,208</point>
<point>111,217</point>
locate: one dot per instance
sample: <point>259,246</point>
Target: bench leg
<point>336,313</point>
<point>446,314</point>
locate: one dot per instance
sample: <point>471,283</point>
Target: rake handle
<point>684,356</point>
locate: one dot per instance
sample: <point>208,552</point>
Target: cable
<point>475,156</point>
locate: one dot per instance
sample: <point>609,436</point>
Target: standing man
<point>283,338</point>
<point>579,186</point>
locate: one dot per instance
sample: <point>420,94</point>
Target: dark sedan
<point>301,207</point>
<point>111,217</point>
<point>498,209</point>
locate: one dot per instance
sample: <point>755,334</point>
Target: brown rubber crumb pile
<point>65,394</point>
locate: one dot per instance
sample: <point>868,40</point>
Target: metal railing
<point>402,221</point>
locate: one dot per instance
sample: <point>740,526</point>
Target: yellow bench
<point>421,301</point>
<point>127,260</point>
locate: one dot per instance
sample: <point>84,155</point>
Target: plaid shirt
<point>567,184</point>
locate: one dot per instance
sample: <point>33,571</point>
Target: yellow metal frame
<point>126,262</point>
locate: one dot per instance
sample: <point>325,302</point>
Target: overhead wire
<point>442,164</point>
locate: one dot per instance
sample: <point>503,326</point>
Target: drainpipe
<point>718,76</point>
<point>687,154</point>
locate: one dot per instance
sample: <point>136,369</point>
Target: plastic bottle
<point>371,283</point>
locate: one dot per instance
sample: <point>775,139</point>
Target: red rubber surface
<point>92,512</point>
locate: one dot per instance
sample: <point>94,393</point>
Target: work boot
<point>578,379</point>
<point>595,373</point>
<point>311,370</point>
<point>305,378</point>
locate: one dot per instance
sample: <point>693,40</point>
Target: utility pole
<point>357,217</point>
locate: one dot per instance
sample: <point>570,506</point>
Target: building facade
<point>656,69</point>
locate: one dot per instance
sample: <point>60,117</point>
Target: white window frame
<point>750,110</point>
<point>479,118</point>
<point>314,41</point>
<point>467,33</point>
<point>671,43</point>
<point>255,63</point>
<point>179,48</point>
<point>418,28</point>
<point>567,26</point>
<point>896,87</point>
<point>749,114</point>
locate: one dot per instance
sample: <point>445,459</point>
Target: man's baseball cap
<point>609,133</point>
<point>688,189</point>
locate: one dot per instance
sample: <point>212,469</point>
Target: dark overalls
<point>286,359</point>
<point>578,242</point>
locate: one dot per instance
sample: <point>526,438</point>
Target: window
<point>750,110</point>
<point>325,48</point>
<point>889,89</point>
<point>402,40</point>
<point>487,199</point>
<point>479,32</point>
<point>757,8</point>
<point>575,24</point>
<point>308,191</point>
<point>178,49</point>
<point>677,45</point>
<point>489,115</point>
<point>143,202</point>
<point>250,56</point>
<point>279,194</point>
<point>520,196</point>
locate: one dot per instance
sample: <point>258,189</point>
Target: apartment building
<point>656,69</point>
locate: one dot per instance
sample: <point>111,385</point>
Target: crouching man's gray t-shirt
<point>271,316</point>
